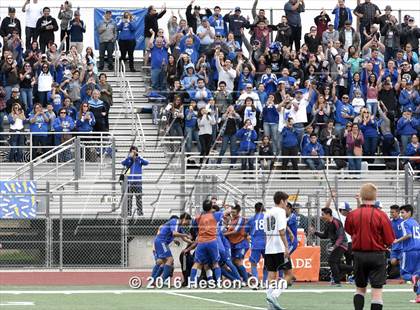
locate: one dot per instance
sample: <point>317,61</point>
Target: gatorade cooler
<point>301,237</point>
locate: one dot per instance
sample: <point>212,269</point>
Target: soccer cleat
<point>274,303</point>
<point>417,299</point>
<point>415,279</point>
<point>350,279</point>
<point>336,284</point>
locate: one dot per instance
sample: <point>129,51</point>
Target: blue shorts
<point>207,253</point>
<point>239,253</point>
<point>396,254</point>
<point>410,264</point>
<point>256,255</point>
<point>162,250</point>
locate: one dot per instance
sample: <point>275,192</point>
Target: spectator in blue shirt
<point>369,128</point>
<point>127,39</point>
<point>38,125</point>
<point>406,127</point>
<point>247,136</point>
<point>85,119</point>
<point>217,22</point>
<point>134,164</point>
<point>315,149</point>
<point>190,44</point>
<point>76,29</point>
<point>191,127</point>
<point>65,124</point>
<point>290,145</point>
<point>409,97</point>
<point>159,62</point>
<point>344,113</point>
<point>271,122</point>
<point>413,150</point>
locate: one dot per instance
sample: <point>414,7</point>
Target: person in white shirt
<point>33,13</point>
<point>226,73</point>
<point>298,111</point>
<point>206,34</point>
<point>250,92</point>
<point>276,250</point>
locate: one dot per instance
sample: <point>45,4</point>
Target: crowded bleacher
<point>347,86</point>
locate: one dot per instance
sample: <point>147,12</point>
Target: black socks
<point>359,302</point>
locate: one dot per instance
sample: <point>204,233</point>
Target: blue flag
<point>138,19</point>
<point>17,200</point>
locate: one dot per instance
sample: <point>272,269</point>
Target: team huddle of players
<point>222,238</point>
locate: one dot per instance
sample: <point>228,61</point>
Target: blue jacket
<point>65,124</point>
<point>76,31</point>
<point>393,75</point>
<point>270,82</point>
<point>126,31</point>
<point>135,171</point>
<point>411,150</point>
<point>406,101</point>
<point>370,130</point>
<point>190,118</point>
<point>270,115</point>
<point>407,127</point>
<point>336,13</point>
<point>263,97</point>
<point>340,108</point>
<point>243,80</point>
<point>85,125</point>
<point>290,137</point>
<point>247,138</point>
<point>305,141</point>
<point>72,112</point>
<point>310,146</point>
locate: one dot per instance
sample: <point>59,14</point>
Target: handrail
<point>126,90</point>
<point>46,156</point>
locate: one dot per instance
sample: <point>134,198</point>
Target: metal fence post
<point>61,234</point>
<point>48,240</point>
<point>113,169</point>
<point>31,170</point>
<point>77,163</point>
<point>318,216</point>
<point>417,212</point>
<point>124,222</point>
<point>406,183</point>
<point>182,184</point>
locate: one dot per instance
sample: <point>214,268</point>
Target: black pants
<point>205,142</point>
<point>134,189</point>
<point>62,33</point>
<point>127,47</point>
<point>348,255</point>
<point>289,151</point>
<point>107,47</point>
<point>30,34</point>
<point>338,269</point>
<point>296,36</point>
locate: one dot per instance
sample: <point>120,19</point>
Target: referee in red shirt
<point>371,233</point>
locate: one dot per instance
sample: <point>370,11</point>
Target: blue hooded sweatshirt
<point>370,130</point>
<point>290,137</point>
<point>84,125</point>
<point>270,115</point>
<point>127,31</point>
<point>247,138</point>
<point>411,150</point>
<point>310,146</point>
<point>407,127</point>
<point>136,167</point>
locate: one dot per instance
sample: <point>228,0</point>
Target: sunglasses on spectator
<point>345,97</point>
<point>63,112</point>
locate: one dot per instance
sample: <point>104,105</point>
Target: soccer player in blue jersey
<point>410,244</point>
<point>207,251</point>
<point>255,229</point>
<point>227,267</point>
<point>292,240</point>
<point>166,234</point>
<point>396,221</point>
<point>238,242</point>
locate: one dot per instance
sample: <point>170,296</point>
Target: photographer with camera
<point>134,166</point>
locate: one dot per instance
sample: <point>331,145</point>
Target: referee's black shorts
<point>273,262</point>
<point>369,266</point>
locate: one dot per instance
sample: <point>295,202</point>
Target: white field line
<point>216,301</point>
<point>17,303</point>
<point>184,291</point>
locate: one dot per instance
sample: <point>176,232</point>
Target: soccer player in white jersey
<point>276,251</point>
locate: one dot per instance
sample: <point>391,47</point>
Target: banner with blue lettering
<point>138,19</point>
<point>17,200</point>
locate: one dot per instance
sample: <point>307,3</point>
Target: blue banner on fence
<point>138,19</point>
<point>17,200</point>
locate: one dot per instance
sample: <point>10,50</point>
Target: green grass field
<point>300,297</point>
